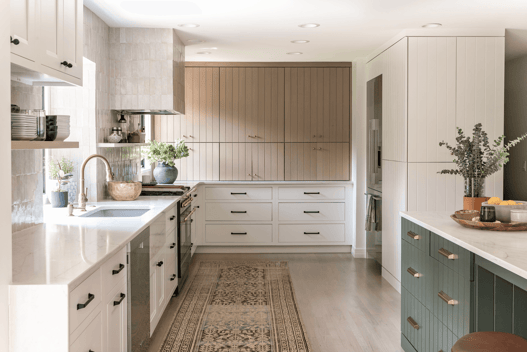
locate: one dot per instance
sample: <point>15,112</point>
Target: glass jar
<point>474,187</point>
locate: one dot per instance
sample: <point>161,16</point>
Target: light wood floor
<point>345,304</point>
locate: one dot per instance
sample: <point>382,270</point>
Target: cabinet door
<point>252,161</point>
<point>51,32</point>
<point>317,161</point>
<point>116,320</point>
<point>203,163</point>
<point>72,37</point>
<point>157,289</point>
<point>23,19</point>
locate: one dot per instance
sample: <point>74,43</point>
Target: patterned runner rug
<point>244,306</point>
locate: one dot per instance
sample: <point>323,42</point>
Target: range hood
<point>147,71</point>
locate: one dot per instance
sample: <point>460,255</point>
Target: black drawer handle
<point>116,303</point>
<point>238,233</point>
<point>242,193</point>
<point>447,254</point>
<point>173,277</point>
<point>85,304</point>
<point>238,211</point>
<point>115,272</point>
<point>15,41</point>
<point>311,233</point>
<point>311,192</point>
<point>160,264</point>
<point>172,217</point>
<point>67,64</point>
<point>311,212</point>
<point>173,245</point>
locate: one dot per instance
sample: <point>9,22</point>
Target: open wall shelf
<point>43,145</point>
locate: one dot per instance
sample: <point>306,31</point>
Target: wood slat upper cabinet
<point>202,164</point>
<point>252,161</point>
<point>317,162</point>
<point>317,104</point>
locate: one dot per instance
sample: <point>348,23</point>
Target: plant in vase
<point>165,154</point>
<point>477,159</point>
<point>61,171</point>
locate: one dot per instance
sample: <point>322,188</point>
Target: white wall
<point>5,176</point>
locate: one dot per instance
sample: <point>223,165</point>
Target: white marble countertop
<point>506,249</point>
<point>66,250</point>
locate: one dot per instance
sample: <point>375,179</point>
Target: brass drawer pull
<point>413,235</point>
<point>448,300</point>
<point>447,254</point>
<point>414,273</point>
<point>413,323</point>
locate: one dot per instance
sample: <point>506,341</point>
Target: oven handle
<point>187,202</point>
<point>190,214</point>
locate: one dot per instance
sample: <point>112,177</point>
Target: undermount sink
<point>115,212</point>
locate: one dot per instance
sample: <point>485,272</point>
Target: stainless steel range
<point>185,211</point>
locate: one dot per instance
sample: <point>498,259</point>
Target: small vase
<point>165,174</point>
<point>59,199</point>
<point>474,190</point>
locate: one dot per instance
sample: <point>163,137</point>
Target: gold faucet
<point>83,198</point>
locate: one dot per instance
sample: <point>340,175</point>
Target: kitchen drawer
<point>239,193</point>
<point>171,219</point>
<point>455,316</point>
<point>451,255</point>
<point>171,278</point>
<point>311,193</point>
<point>416,273</point>
<point>239,233</point>
<point>441,338</point>
<point>84,299</point>
<point>239,211</point>
<point>415,320</point>
<point>157,235</point>
<point>311,233</point>
<point>112,271</point>
<point>311,211</point>
<point>415,235</point>
<point>91,338</point>
<point>170,248</point>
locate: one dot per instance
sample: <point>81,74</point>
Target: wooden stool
<point>490,341</point>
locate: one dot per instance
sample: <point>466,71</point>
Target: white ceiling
<point>262,30</point>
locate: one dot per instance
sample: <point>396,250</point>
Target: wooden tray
<point>490,226</point>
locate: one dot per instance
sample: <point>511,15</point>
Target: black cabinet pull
<point>172,217</point>
<point>115,272</point>
<point>173,245</point>
<point>238,233</point>
<point>67,64</point>
<point>15,41</point>
<point>173,277</point>
<point>238,211</point>
<point>160,264</point>
<point>85,304</point>
<point>235,193</point>
<point>311,192</point>
<point>311,233</point>
<point>116,303</point>
<point>311,212</point>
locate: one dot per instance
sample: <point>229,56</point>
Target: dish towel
<point>373,215</point>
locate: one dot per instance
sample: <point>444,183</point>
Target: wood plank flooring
<point>345,304</point>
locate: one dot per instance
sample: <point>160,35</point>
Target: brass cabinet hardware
<point>447,254</point>
<point>413,235</point>
<point>448,300</point>
<point>414,273</point>
<point>413,323</point>
<point>190,214</point>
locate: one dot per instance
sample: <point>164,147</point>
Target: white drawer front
<point>91,338</point>
<point>311,211</point>
<point>311,193</point>
<point>113,271</point>
<point>157,235</point>
<point>239,193</point>
<point>171,218</point>
<point>239,233</point>
<point>84,298</point>
<point>309,233</point>
<point>239,212</point>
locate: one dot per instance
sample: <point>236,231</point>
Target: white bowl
<point>503,212</point>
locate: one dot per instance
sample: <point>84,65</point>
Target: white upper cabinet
<point>23,31</point>
<point>49,34</point>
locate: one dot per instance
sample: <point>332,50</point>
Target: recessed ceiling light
<point>309,25</point>
<point>189,25</point>
<point>204,52</point>
<point>432,25</point>
<point>299,41</point>
<point>195,41</point>
<point>295,53</point>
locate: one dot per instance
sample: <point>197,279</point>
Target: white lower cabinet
<point>115,319</point>
<point>91,338</point>
<point>316,233</point>
<point>157,289</point>
<point>239,233</point>
<point>311,211</point>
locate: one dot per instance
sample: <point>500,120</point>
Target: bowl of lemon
<point>504,207</point>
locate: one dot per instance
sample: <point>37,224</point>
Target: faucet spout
<point>83,198</point>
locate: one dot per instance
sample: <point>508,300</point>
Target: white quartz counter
<point>66,250</point>
<point>506,249</point>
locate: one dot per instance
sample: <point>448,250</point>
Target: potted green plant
<point>165,154</point>
<point>477,159</point>
<point>61,171</point>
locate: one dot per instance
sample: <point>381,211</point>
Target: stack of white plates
<point>63,127</point>
<point>23,127</point>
